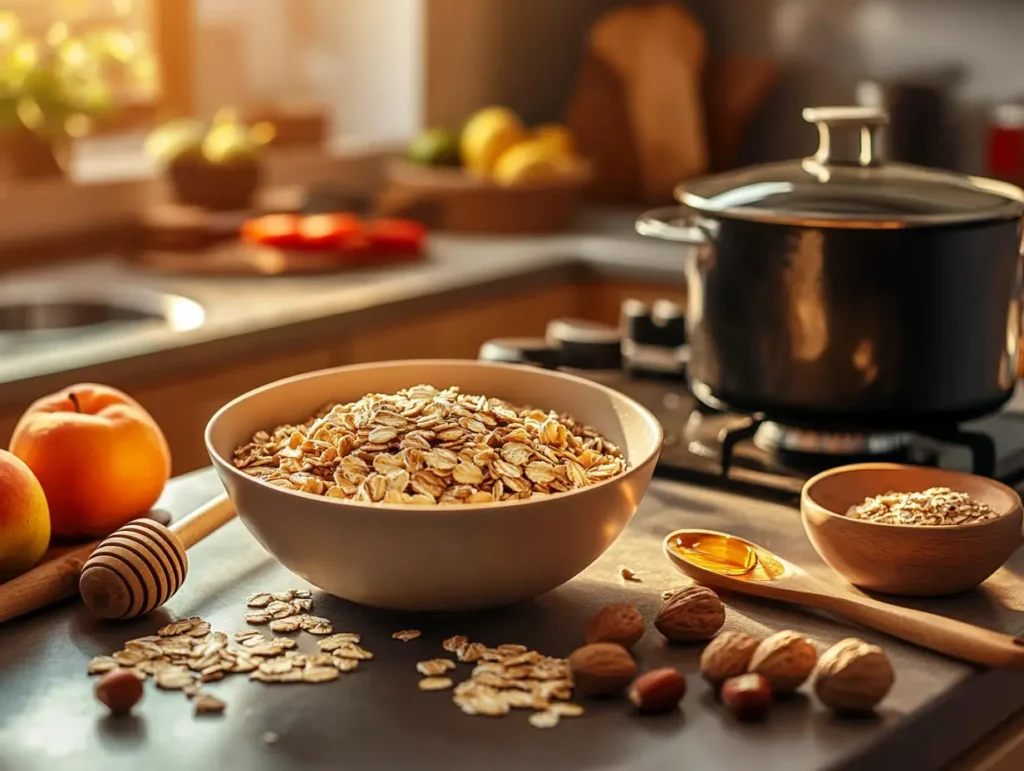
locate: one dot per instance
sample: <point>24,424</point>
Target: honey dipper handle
<point>45,584</point>
<point>938,633</point>
<point>203,521</point>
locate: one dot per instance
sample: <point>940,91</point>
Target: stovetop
<point>719,449</point>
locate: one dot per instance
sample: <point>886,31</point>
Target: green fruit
<point>435,147</point>
<point>174,140</point>
<point>229,143</point>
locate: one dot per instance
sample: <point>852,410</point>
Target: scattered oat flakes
<point>566,709</point>
<point>628,574</point>
<point>352,651</point>
<point>435,683</point>
<point>259,600</point>
<point>345,665</point>
<point>455,644</point>
<point>205,704</point>
<point>257,617</point>
<point>471,652</point>
<point>178,627</point>
<point>338,640</point>
<point>281,625</point>
<point>546,719</point>
<point>315,625</point>
<point>319,674</point>
<point>406,635</point>
<point>434,667</point>
<point>173,678</point>
<point>100,664</point>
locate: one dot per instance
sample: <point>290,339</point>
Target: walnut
<point>618,623</point>
<point>693,614</point>
<point>602,669</point>
<point>728,655</point>
<point>786,659</point>
<point>853,676</point>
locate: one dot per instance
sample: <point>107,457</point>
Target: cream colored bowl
<point>437,558</point>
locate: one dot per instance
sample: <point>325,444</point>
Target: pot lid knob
<point>868,120</point>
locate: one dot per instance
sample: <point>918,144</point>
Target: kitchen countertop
<point>248,314</point>
<point>375,718</point>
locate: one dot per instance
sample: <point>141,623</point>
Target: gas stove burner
<point>775,438</point>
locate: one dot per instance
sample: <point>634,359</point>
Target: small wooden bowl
<point>908,559</point>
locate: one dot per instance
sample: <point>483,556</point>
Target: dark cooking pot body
<point>848,294</point>
<point>855,328</point>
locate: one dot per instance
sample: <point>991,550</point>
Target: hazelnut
<point>786,659</point>
<point>748,697</point>
<point>601,669</point>
<point>659,690</point>
<point>120,690</point>
<point>693,614</point>
<point>853,676</point>
<point>728,655</point>
<point>619,623</point>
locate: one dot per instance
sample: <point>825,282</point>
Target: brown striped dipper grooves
<point>140,566</point>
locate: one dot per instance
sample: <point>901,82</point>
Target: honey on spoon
<point>718,553</point>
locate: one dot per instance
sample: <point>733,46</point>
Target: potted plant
<point>53,89</point>
<point>217,168</point>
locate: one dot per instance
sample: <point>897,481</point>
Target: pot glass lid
<point>852,189</point>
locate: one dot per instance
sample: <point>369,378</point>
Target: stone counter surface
<point>375,718</point>
<point>244,315</point>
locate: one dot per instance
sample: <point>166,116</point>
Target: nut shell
<point>619,623</point>
<point>853,676</point>
<point>119,690</point>
<point>786,659</point>
<point>693,614</point>
<point>728,655</point>
<point>601,669</point>
<point>659,690</point>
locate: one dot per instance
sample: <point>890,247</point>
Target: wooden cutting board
<point>644,71</point>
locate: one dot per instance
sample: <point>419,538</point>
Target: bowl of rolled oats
<point>911,530</point>
<point>435,485</point>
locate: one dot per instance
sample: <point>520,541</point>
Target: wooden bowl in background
<point>216,187</point>
<point>908,559</point>
<point>453,199</point>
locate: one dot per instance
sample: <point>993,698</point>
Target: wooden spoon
<point>776,579</point>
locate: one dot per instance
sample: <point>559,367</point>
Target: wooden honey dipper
<point>134,570</point>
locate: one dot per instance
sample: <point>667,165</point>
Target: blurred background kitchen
<point>119,231</point>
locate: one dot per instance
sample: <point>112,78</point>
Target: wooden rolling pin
<point>133,571</point>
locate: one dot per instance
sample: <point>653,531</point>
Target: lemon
<point>558,137</point>
<point>486,136</point>
<point>531,161</point>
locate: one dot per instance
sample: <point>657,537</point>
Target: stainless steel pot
<point>840,292</point>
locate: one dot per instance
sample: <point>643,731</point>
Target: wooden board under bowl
<point>241,259</point>
<point>455,200</point>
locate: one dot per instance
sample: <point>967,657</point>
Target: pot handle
<point>672,223</point>
<point>868,120</point>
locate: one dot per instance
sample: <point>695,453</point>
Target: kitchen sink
<point>40,312</point>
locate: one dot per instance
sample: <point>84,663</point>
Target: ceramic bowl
<point>437,558</point>
<point>908,559</point>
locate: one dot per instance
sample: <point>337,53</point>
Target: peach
<point>101,458</point>
<point>24,518</point>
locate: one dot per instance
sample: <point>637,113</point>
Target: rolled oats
<point>435,683</point>
<point>936,506</point>
<point>205,704</point>
<point>406,635</point>
<point>428,446</point>
<point>434,667</point>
